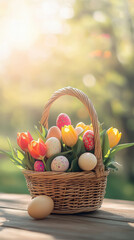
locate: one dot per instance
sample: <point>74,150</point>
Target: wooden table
<point>115,220</point>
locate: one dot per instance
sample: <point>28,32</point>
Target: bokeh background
<point>49,44</point>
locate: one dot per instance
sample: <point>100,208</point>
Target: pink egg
<point>60,164</point>
<point>88,139</point>
<point>39,166</point>
<point>62,120</point>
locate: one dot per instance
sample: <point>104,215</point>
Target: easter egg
<point>87,161</point>
<point>81,124</point>
<point>40,207</point>
<point>60,164</point>
<point>39,166</point>
<point>62,120</point>
<point>79,130</point>
<point>53,146</point>
<point>88,139</point>
<point>54,132</point>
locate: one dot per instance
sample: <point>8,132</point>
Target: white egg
<point>87,161</point>
<point>60,164</point>
<point>53,146</point>
<point>79,130</point>
<point>40,207</point>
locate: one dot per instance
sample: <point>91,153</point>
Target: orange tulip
<point>37,149</point>
<point>23,139</point>
<point>69,135</point>
<point>114,136</point>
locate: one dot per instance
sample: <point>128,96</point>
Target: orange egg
<point>81,124</point>
<point>54,132</point>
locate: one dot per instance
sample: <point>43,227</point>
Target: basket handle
<point>92,113</point>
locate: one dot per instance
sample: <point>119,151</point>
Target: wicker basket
<point>72,192</point>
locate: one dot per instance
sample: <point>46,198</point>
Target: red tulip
<point>23,139</point>
<point>37,149</point>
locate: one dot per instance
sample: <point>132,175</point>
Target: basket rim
<point>52,174</point>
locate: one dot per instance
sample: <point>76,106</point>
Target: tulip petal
<point>23,141</point>
<point>29,136</point>
<point>42,148</point>
<point>32,151</point>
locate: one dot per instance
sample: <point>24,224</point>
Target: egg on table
<point>40,207</point>
<point>87,161</point>
<point>53,146</point>
<point>60,164</point>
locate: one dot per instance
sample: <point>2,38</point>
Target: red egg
<point>39,166</point>
<point>62,120</point>
<point>88,139</point>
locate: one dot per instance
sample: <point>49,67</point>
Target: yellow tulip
<point>81,124</point>
<point>69,135</point>
<point>114,136</point>
<point>88,127</point>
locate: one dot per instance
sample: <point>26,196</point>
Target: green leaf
<point>102,134</point>
<point>11,148</point>
<point>108,161</point>
<point>74,166</point>
<point>44,130</point>
<point>79,147</point>
<point>49,160</point>
<point>106,147</point>
<point>40,134</point>
<point>20,154</point>
<point>19,158</point>
<point>15,160</point>
<point>120,147</point>
<point>112,166</point>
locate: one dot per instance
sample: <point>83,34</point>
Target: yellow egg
<point>54,132</point>
<point>40,207</point>
<point>87,161</point>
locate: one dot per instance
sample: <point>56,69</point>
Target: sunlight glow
<point>89,80</point>
<point>24,23</point>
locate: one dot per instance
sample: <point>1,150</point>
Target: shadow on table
<point>94,225</point>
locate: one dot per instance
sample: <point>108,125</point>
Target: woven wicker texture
<point>72,192</point>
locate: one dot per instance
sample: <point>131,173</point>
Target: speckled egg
<point>39,166</point>
<point>53,146</point>
<point>88,139</point>
<point>62,120</point>
<point>60,164</point>
<point>87,161</point>
<point>54,131</point>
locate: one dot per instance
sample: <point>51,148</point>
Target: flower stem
<point>44,163</point>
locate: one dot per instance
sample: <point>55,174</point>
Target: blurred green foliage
<point>92,50</point>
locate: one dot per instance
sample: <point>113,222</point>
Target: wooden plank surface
<point>115,220</point>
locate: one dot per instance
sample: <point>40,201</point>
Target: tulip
<point>37,149</point>
<point>81,124</point>
<point>23,139</point>
<point>88,127</point>
<point>114,136</point>
<point>69,135</point>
